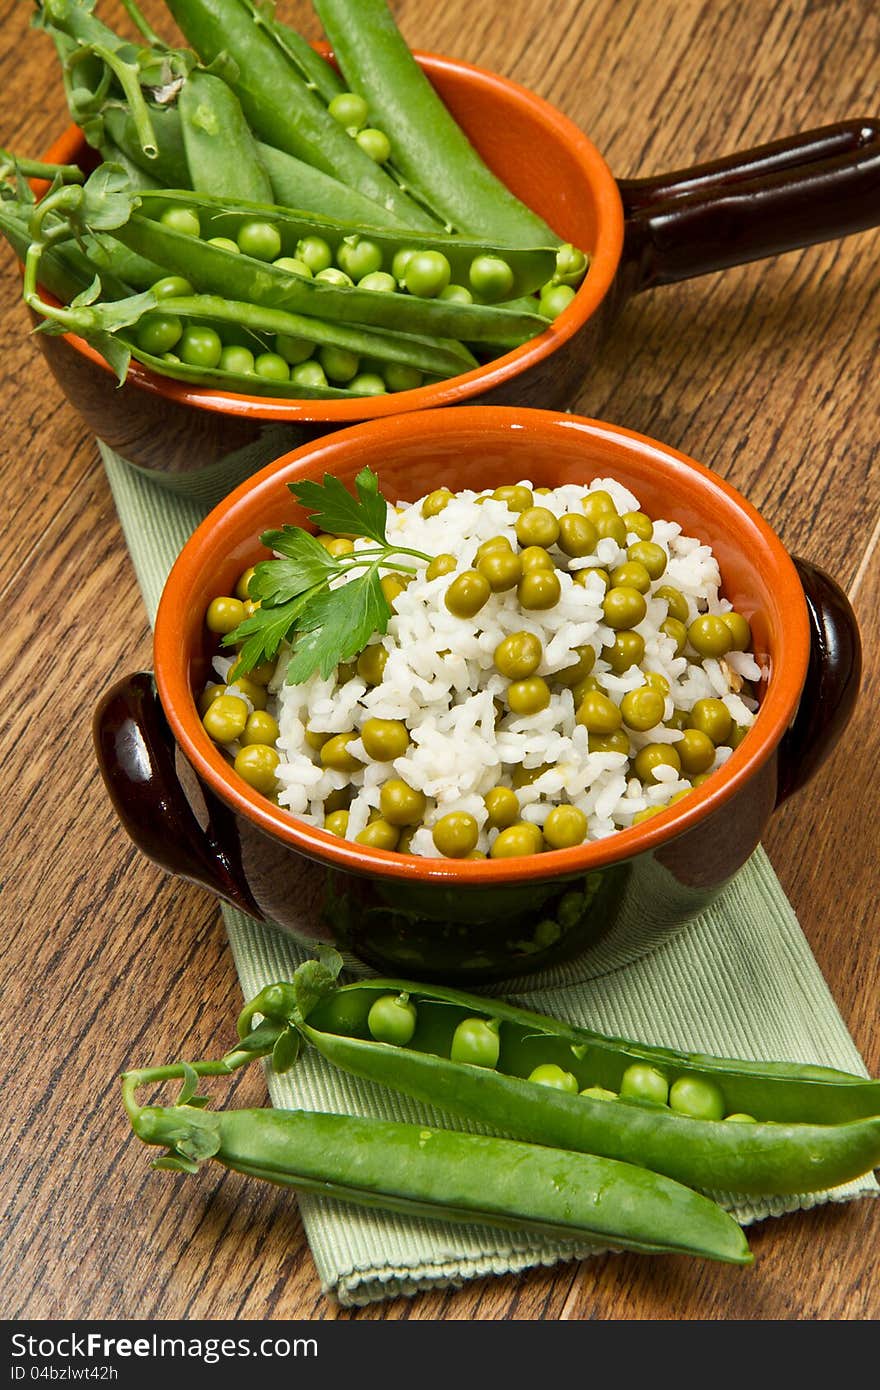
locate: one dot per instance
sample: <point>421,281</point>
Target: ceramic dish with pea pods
<point>438,906</point>
<point>290,288</point>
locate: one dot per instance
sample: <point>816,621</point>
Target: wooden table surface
<point>768,373</point>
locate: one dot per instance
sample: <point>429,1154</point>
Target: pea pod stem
<point>441,1174</point>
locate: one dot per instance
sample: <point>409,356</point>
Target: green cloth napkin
<point>740,980</point>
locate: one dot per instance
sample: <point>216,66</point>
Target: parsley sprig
<point>325,623</point>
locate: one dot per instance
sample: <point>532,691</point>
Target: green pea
<point>271,366</point>
<point>626,650</point>
<point>518,655</point>
<point>293,350</point>
<point>597,504</point>
<point>467,594</point>
<point>350,110</point>
<point>375,143</point>
<point>643,708</point>
<point>564,827</point>
<point>624,607</point>
<point>315,252</point>
<point>182,220</point>
<point>400,261</point>
<point>676,603</point>
<point>676,630</point>
<point>494,543</point>
<point>224,614</point>
<point>643,1082</point>
<point>598,714</point>
<point>436,502</point>
<point>309,374</point>
<point>200,346</point>
<point>440,565</point>
<point>639,524</point>
<point>337,823</point>
<point>583,577</point>
<point>577,535</point>
<point>652,756</point>
<point>172,287</point>
<point>535,557</point>
<point>571,265</point>
<point>358,256</point>
<point>225,718</point>
<point>516,496</point>
<point>239,360</point>
<point>631,575</point>
<point>380,282</point>
<point>384,739</point>
<point>392,1019</point>
<point>502,568</point>
<point>334,276</point>
<point>515,840</point>
<point>651,557</point>
<point>696,1097</point>
<point>740,1117</point>
<point>528,696</point>
<point>339,364</point>
<point>398,375</point>
<point>367,384</point>
<point>710,636</point>
<point>549,1074</point>
<point>456,294</point>
<point>456,834</point>
<point>371,664</point>
<point>158,333</point>
<point>256,764</point>
<point>379,834</point>
<point>571,676</point>
<point>537,526</point>
<point>740,630</point>
<point>293,266</point>
<point>554,300</point>
<point>599,1093</point>
<point>696,751</point>
<point>539,590</point>
<point>426,274</point>
<point>713,719</point>
<point>261,727</point>
<point>611,528</point>
<point>259,239</point>
<point>491,278</point>
<point>334,754</point>
<point>615,742</point>
<point>400,803</point>
<point>502,806</point>
<point>224,243</point>
<point>476,1043</point>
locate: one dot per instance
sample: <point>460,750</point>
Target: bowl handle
<point>791,193</point>
<point>832,685</point>
<point>136,754</point>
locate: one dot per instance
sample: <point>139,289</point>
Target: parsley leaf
<point>305,562</point>
<point>335,510</point>
<point>264,631</point>
<point>336,623</point>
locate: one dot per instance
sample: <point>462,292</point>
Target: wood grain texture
<point>767,373</point>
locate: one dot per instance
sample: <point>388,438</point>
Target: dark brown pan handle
<point>832,684</point>
<point>777,197</point>
<point>136,754</point>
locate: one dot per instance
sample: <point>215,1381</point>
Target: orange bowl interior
<point>543,157</point>
<point>482,447</point>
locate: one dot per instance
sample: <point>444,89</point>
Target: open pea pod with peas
<point>714,1123</point>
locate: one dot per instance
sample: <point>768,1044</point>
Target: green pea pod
<point>814,1128</point>
<point>429,148</point>
<point>427,355</point>
<point>317,73</point>
<point>252,385</point>
<point>280,107</point>
<point>445,1175</point>
<point>170,164</point>
<point>531,266</point>
<point>221,152</point>
<point>299,185</point>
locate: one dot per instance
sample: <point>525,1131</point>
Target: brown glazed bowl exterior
<point>448,919</point>
<point>171,426</point>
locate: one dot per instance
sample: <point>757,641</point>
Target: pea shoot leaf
<point>108,200</point>
<point>335,509</point>
<point>285,1051</point>
<point>335,624</point>
<point>315,979</point>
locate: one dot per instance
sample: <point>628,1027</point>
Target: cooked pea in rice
<point>440,679</point>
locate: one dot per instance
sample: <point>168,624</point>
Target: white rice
<point>458,751</point>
